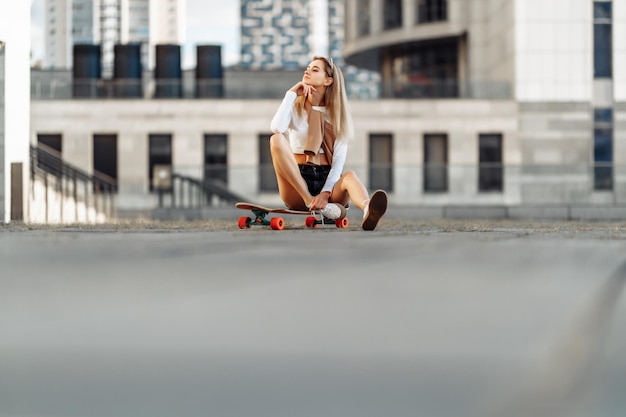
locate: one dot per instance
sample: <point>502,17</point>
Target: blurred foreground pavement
<point>433,319</point>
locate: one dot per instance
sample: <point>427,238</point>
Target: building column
<point>14,98</point>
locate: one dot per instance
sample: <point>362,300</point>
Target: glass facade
<point>363,19</point>
<point>82,21</point>
<point>425,71</point>
<point>602,39</point>
<point>431,11</point>
<point>392,14</point>
<point>603,149</point>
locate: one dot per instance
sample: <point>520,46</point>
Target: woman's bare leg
<point>349,187</point>
<point>291,186</point>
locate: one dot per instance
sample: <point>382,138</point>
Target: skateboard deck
<point>261,217</point>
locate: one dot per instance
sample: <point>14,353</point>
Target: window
<point>392,14</point>
<point>53,142</point>
<point>381,162</point>
<point>159,154</point>
<point>432,11</point>
<point>603,149</point>
<point>215,158</point>
<point>425,70</point>
<point>435,163</point>
<point>363,17</point>
<point>267,176</point>
<point>490,170</point>
<point>602,39</point>
<point>105,157</point>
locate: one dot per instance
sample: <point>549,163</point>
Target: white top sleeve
<point>340,152</point>
<point>282,119</point>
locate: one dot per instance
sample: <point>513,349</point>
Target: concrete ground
<point>418,318</point>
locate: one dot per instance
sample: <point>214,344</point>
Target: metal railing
<point>188,192</point>
<point>68,194</point>
<point>249,88</point>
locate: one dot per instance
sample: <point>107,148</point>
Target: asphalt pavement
<point>418,318</point>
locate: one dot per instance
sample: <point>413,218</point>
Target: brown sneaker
<point>374,210</point>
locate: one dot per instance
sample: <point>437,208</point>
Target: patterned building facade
<point>275,34</point>
<point>280,34</point>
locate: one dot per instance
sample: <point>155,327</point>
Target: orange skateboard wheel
<point>311,222</point>
<point>277,223</point>
<point>342,223</point>
<point>244,222</point>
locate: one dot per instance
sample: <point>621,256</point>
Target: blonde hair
<point>335,101</point>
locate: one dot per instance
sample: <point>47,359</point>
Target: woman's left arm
<point>340,152</point>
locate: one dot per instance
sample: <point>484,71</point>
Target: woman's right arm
<point>282,118</point>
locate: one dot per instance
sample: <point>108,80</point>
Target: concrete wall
<point>557,151</point>
<point>244,120</point>
<point>619,150</point>
<point>547,149</point>
<point>15,34</point>
<point>554,50</point>
<point>491,33</point>
<point>619,50</point>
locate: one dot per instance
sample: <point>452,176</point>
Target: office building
<point>109,22</point>
<point>494,108</point>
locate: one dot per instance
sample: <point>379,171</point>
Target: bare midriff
<point>301,159</point>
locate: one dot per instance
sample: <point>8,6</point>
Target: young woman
<point>309,160</point>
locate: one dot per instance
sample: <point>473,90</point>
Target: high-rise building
<point>276,34</point>
<point>287,33</point>
<point>107,22</point>
<point>360,83</point>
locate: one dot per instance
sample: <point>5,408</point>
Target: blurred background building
<point>110,22</point>
<point>276,34</point>
<point>493,108</point>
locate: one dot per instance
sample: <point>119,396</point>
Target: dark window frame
<point>381,174</point>
<point>603,149</point>
<point>602,39</point>
<point>105,142</point>
<point>431,11</point>
<point>53,141</point>
<point>490,163</point>
<point>216,157</point>
<point>392,14</point>
<point>435,176</point>
<point>158,158</point>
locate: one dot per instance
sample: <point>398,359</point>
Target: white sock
<point>366,207</point>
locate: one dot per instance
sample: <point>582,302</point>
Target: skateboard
<point>261,217</point>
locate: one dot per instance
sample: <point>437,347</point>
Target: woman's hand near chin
<point>301,88</point>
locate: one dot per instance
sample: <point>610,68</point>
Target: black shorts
<point>315,177</point>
